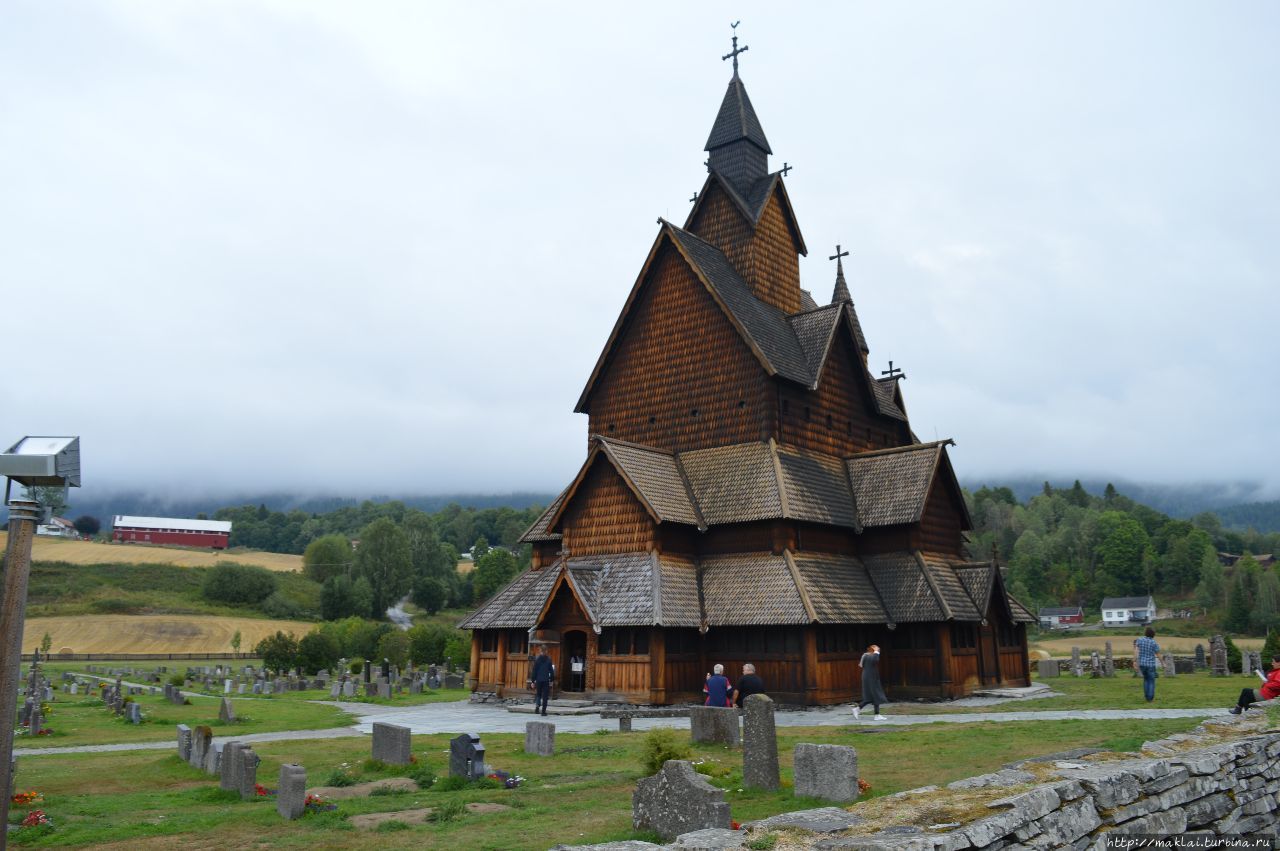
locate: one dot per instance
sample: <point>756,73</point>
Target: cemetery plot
<point>580,793</point>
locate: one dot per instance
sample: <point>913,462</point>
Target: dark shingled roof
<point>746,589</point>
<point>890,485</point>
<point>814,329</point>
<point>977,579</point>
<point>841,291</point>
<point>806,300</point>
<point>886,399</point>
<point>657,477</point>
<point>765,326</point>
<point>839,589</point>
<point>816,488</point>
<point>952,591</point>
<point>622,588</point>
<point>678,592</point>
<point>518,604</point>
<point>737,120</point>
<point>733,484</point>
<point>1021,614</point>
<point>538,531</point>
<point>904,590</point>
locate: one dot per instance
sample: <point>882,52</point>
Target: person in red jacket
<point>1270,689</point>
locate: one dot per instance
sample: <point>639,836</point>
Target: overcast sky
<point>377,247</point>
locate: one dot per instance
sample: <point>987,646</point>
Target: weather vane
<point>736,50</point>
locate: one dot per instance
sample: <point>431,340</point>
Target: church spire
<point>841,293</point>
<point>737,146</point>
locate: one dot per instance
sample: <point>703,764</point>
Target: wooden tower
<point>751,492</point>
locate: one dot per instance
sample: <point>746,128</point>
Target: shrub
<point>457,649</point>
<point>238,584</point>
<point>280,607</point>
<point>427,642</point>
<point>1271,648</point>
<point>177,680</point>
<point>279,652</point>
<point>661,744</point>
<point>1234,663</point>
<point>356,666</point>
<point>394,647</point>
<point>339,777</point>
<point>317,650</point>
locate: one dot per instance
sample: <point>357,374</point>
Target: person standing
<point>749,684</point>
<point>540,677</point>
<point>872,691</point>
<point>1269,691</point>
<point>1144,651</point>
<point>718,689</point>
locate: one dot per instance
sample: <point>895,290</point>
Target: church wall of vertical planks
<point>752,493</point>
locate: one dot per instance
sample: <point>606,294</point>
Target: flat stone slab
<point>624,845</point>
<point>711,839</point>
<point>1034,690</point>
<point>997,779</point>
<point>820,820</point>
<point>363,790</point>
<point>370,821</point>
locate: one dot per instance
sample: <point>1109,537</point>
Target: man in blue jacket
<point>540,677</point>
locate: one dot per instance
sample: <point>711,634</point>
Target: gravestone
<point>213,760</point>
<point>335,689</point>
<point>391,744</point>
<point>370,689</point>
<point>231,764</point>
<point>134,714</point>
<point>384,689</point>
<point>1108,662</point>
<point>226,686</point>
<point>759,744</point>
<point>1048,668</point>
<point>1169,668</point>
<point>28,706</point>
<point>1183,666</point>
<point>1257,661</point>
<point>1095,665</point>
<point>201,738</point>
<point>415,687</point>
<point>1218,656</point>
<point>540,738</point>
<point>678,800</point>
<point>257,686</point>
<point>291,794</point>
<point>826,771</point>
<point>176,697</point>
<point>240,689</point>
<point>714,725</point>
<point>453,681</point>
<point>466,757</point>
<point>368,671</point>
<point>624,723</point>
<point>184,742</point>
<point>226,714</point>
<point>348,689</point>
<point>36,722</point>
<point>1076,668</point>
<point>1200,662</point>
<point>1246,663</point>
<point>248,774</point>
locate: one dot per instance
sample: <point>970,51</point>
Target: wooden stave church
<point>751,492</point>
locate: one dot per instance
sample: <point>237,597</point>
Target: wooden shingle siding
<point>606,517</point>
<point>843,396</point>
<point>764,253</point>
<point>665,385</point>
<point>939,530</point>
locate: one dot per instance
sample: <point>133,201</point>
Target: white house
<point>1122,611</point>
<point>58,527</point>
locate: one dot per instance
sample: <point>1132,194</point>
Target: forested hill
<point>1066,546</point>
<point>1263,516</point>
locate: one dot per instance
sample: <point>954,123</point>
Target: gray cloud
<point>294,244</point>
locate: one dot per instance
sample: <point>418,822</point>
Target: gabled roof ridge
<point>783,501</point>
<point>789,558</point>
<point>632,444</point>
<point>911,447</point>
<point>932,582</point>
<point>656,585</point>
<point>802,313</point>
<point>688,490</point>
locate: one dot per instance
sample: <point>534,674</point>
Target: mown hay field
<point>1122,645</point>
<point>152,633</point>
<point>92,552</point>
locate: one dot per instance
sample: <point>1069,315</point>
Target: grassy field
<point>580,795</point>
<point>152,633</point>
<point>83,720</point>
<point>92,552</point>
<point>1122,645</point>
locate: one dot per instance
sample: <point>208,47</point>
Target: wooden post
<point>658,666</point>
<point>945,661</point>
<point>475,660</point>
<point>810,665</point>
<point>500,678</point>
<point>13,613</point>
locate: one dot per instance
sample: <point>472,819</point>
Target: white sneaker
<point>857,712</point>
<point>881,718</point>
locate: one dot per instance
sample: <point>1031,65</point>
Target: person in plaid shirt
<point>1145,649</point>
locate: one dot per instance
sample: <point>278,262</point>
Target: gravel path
<point>463,716</point>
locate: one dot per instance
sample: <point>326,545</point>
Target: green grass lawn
<point>582,794</point>
<point>82,720</point>
<point>1184,691</point>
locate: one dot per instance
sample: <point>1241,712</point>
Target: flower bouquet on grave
<point>26,799</point>
<point>37,818</point>
<point>507,779</point>
<point>260,791</point>
<point>45,709</point>
<point>318,804</point>
<point>45,731</point>
<point>863,786</point>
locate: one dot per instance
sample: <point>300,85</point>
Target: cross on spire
<point>786,169</point>
<point>736,50</point>
<point>838,253</point>
<point>892,371</point>
<point>694,198</point>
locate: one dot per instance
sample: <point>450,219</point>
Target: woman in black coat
<point>872,691</point>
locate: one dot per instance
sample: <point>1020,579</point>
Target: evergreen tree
<point>1271,648</point>
<point>1213,581</point>
<point>1266,603</point>
<point>1237,619</point>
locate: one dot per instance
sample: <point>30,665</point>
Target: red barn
<point>171,530</point>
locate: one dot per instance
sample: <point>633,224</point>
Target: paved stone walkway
<point>463,716</point>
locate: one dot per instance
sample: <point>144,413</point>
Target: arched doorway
<point>573,661</point>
